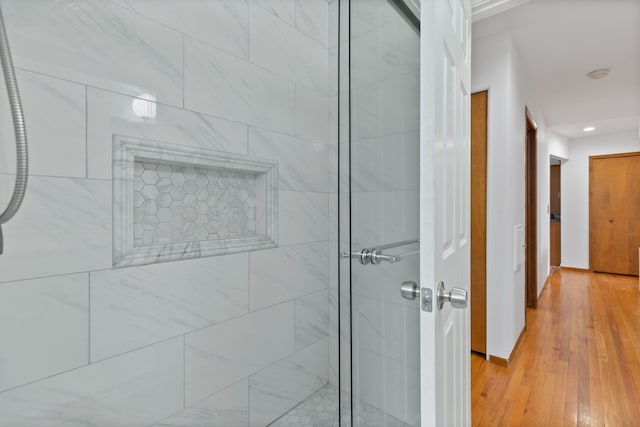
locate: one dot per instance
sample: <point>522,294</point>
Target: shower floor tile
<point>321,410</point>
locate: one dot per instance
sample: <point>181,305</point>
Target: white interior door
<point>444,209</point>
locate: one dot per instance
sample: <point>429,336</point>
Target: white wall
<point>496,67</point>
<point>575,191</point>
<point>558,145</point>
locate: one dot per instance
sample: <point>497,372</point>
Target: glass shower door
<point>384,200</point>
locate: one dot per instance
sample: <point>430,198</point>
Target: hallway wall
<point>497,67</point>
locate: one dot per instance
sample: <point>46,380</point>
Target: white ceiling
<point>559,42</point>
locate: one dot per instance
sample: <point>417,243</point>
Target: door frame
<point>479,152</point>
<point>531,211</point>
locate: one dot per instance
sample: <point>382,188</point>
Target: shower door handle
<point>371,256</point>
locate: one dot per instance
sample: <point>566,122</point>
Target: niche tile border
<point>129,152</point>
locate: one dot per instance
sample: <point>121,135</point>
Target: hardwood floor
<point>579,361</point>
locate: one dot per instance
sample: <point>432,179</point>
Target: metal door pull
<point>372,256</point>
<point>375,256</point>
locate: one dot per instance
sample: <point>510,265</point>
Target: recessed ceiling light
<point>589,129</point>
<point>598,74</point>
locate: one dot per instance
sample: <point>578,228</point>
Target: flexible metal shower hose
<point>22,170</point>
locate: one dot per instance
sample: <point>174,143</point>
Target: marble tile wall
<point>236,339</point>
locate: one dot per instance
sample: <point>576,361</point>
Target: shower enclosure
<point>223,206</point>
<point>379,207</point>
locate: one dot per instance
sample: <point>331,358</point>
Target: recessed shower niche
<point>174,202</point>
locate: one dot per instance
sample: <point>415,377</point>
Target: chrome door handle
<point>456,296</point>
<point>410,290</point>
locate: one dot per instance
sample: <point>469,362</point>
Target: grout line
<point>184,77</point>
<point>248,399</point>
<point>249,128</point>
<point>184,370</point>
<point>249,31</point>
<point>86,365</point>
<point>59,177</point>
<point>165,104</point>
<point>86,131</point>
<point>249,283</point>
<point>295,109</point>
<point>89,316</point>
<point>295,323</point>
<point>289,245</point>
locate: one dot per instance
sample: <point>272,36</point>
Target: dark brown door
<point>479,222</point>
<point>531,212</point>
<point>555,207</point>
<point>614,213</point>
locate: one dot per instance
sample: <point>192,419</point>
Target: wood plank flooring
<point>579,361</point>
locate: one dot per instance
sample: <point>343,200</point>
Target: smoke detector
<point>598,74</point>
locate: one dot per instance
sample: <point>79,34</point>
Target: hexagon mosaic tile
<point>173,202</point>
<point>177,203</point>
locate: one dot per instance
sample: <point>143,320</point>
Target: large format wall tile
<point>302,164</point>
<point>98,43</point>
<point>312,319</point>
<point>223,85</point>
<point>196,17</point>
<point>391,389</point>
<point>312,18</point>
<point>345,311</point>
<point>385,108</point>
<point>386,163</point>
<point>281,386</point>
<point>303,217</point>
<point>388,51</point>
<point>369,14</point>
<point>384,217</point>
<point>55,114</point>
<point>283,9</point>
<point>228,408</point>
<point>285,273</point>
<point>134,389</point>
<point>63,226</point>
<point>279,47</point>
<point>112,114</point>
<point>312,115</point>
<point>373,280</point>
<point>133,307</point>
<point>220,355</point>
<point>387,329</point>
<point>334,362</point>
<point>44,328</point>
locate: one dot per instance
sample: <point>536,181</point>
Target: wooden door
<point>555,207</point>
<point>479,222</point>
<point>531,212</point>
<point>614,213</point>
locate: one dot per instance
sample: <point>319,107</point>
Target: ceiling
<point>559,42</point>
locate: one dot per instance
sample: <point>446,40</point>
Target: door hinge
<point>426,297</point>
